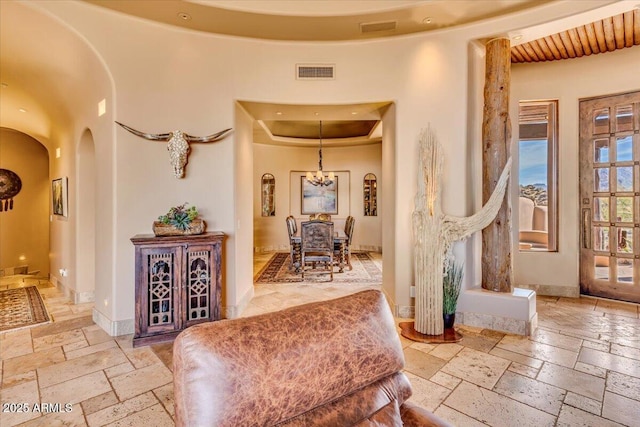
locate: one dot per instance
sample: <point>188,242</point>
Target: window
<point>538,176</point>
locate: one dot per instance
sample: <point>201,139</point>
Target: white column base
<point>514,312</point>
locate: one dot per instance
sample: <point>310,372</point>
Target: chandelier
<point>319,178</point>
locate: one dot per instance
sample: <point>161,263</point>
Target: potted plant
<point>451,284</point>
<point>179,220</point>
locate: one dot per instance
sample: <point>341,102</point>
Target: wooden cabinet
<point>178,284</point>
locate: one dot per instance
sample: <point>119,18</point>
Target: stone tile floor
<point>580,368</point>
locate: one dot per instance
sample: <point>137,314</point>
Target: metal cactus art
<point>10,185</point>
<point>177,144</point>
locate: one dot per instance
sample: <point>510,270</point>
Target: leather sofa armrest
<point>415,416</point>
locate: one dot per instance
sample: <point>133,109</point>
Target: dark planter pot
<point>449,320</point>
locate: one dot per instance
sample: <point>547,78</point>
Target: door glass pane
<point>625,240</point>
<point>624,209</point>
<point>625,270</point>
<point>625,178</point>
<point>601,209</point>
<point>601,179</point>
<point>601,121</point>
<point>624,118</point>
<point>623,148</point>
<point>601,150</point>
<point>601,239</point>
<point>602,267</point>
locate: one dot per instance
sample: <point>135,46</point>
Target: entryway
<point>610,196</point>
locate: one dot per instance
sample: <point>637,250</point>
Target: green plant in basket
<point>451,287</point>
<point>179,216</point>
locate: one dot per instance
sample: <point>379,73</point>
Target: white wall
<point>164,78</point>
<point>25,228</point>
<point>568,82</point>
<point>287,164</point>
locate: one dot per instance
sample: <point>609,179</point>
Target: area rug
<point>277,271</point>
<point>21,307</point>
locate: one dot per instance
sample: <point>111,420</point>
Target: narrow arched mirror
<point>268,185</point>
<point>370,191</point>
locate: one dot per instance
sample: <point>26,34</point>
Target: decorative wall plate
<point>10,185</point>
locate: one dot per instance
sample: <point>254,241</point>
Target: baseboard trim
<point>114,329</point>
<point>234,311</point>
<point>553,290</point>
<point>76,297</point>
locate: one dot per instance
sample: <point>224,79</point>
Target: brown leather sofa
<point>332,363</point>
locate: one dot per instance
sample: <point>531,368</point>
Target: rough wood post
<point>496,138</point>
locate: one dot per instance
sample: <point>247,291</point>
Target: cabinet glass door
<point>161,292</point>
<point>198,291</point>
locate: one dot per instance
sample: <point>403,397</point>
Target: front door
<point>610,197</point>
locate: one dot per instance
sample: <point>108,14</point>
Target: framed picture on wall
<point>318,199</point>
<point>59,197</point>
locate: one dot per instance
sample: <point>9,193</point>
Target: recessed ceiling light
<point>22,110</point>
<point>316,113</point>
<point>184,16</point>
<point>354,113</point>
<point>279,113</point>
<point>427,20</point>
<point>517,37</point>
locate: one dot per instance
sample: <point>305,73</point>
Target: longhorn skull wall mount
<point>177,144</point>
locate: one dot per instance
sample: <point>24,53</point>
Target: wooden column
<point>496,140</point>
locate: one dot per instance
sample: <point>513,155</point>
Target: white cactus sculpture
<point>434,232</point>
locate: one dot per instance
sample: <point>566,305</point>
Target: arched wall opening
<point>86,214</point>
<point>25,227</point>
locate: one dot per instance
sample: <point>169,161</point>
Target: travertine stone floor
<point>580,368</point>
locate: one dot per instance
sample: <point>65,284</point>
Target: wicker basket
<point>196,226</point>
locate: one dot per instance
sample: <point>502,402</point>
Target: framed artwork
<point>318,199</point>
<point>59,197</point>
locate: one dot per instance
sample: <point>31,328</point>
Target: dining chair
<point>320,217</point>
<point>294,247</point>
<point>346,249</point>
<point>317,245</point>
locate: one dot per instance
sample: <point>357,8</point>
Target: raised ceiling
<point>312,20</point>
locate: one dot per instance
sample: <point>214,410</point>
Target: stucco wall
<point>568,82</point>
<point>352,163</point>
<point>25,228</point>
<point>164,78</point>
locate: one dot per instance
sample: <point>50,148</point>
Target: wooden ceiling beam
<point>628,29</point>
<point>575,42</point>
<point>561,47</point>
<point>523,53</point>
<point>566,41</point>
<point>618,30</point>
<point>599,29</point>
<point>609,34</point>
<point>593,40</point>
<point>636,26</point>
<point>584,40</point>
<point>552,46</point>
<point>539,53</point>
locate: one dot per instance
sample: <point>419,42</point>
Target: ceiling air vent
<point>315,71</point>
<point>372,27</point>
